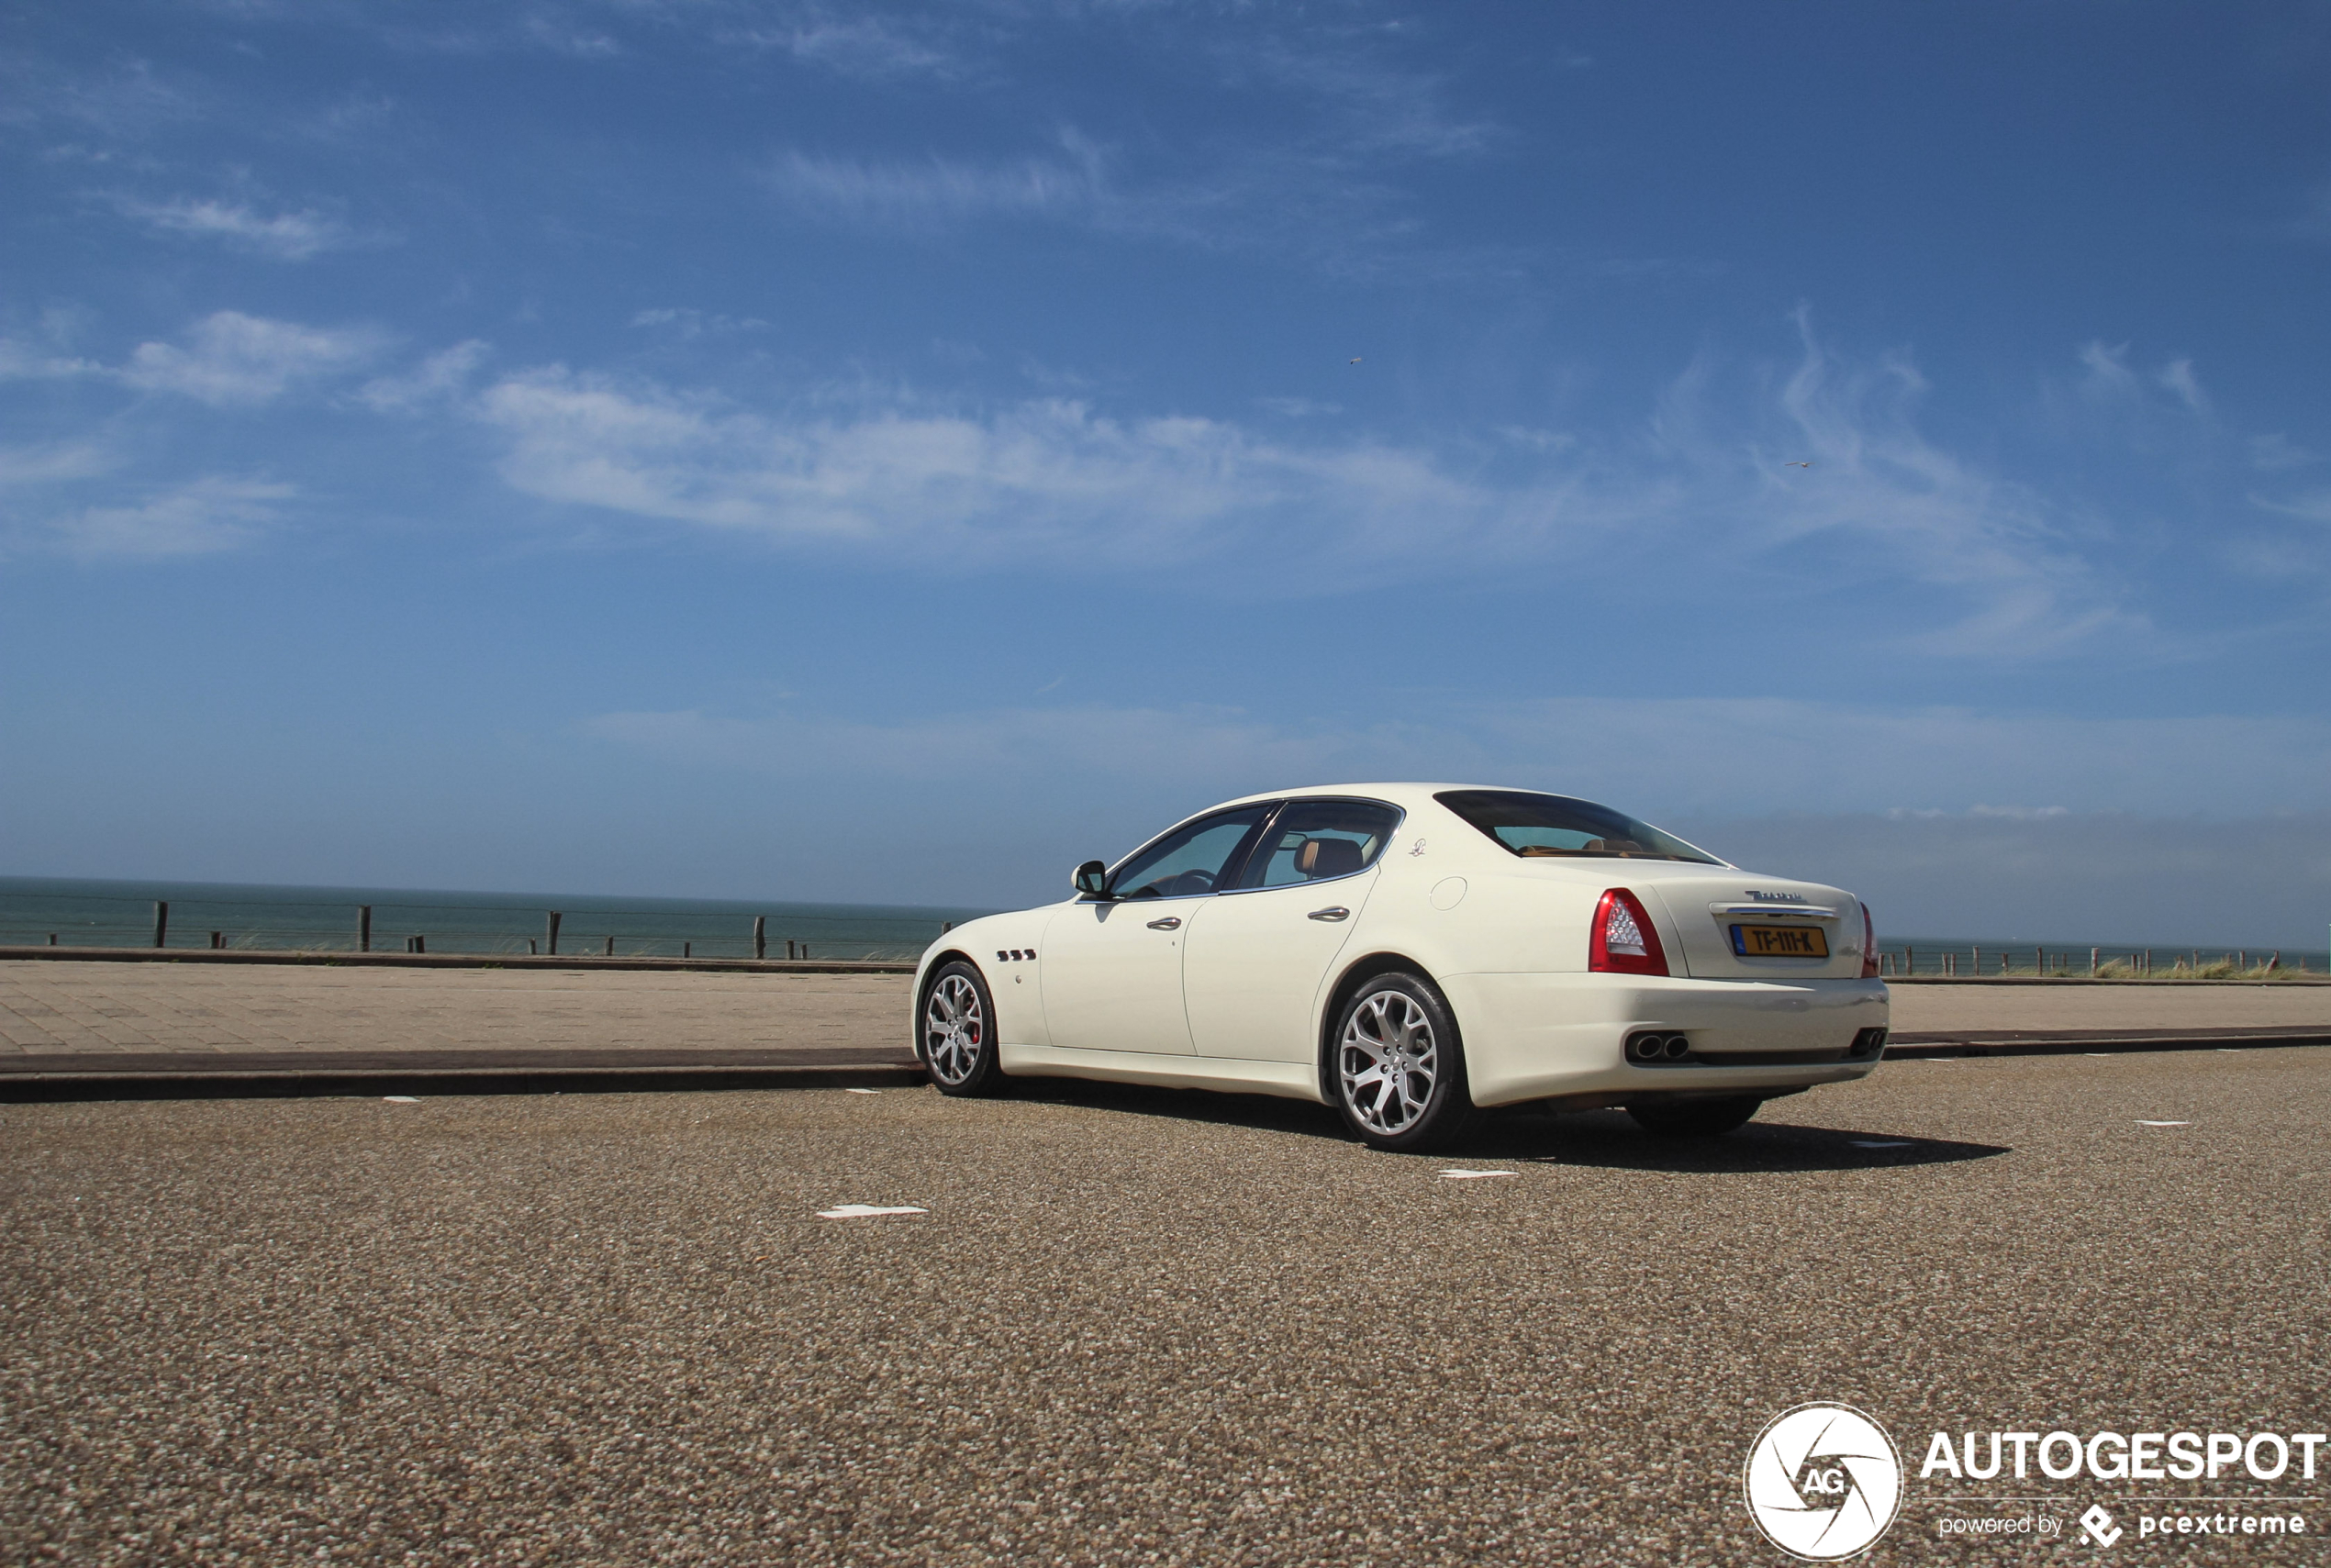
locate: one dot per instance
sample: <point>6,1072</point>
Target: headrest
<point>1327,857</point>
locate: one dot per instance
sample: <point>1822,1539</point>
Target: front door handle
<point>1170,923</point>
<point>1333,912</point>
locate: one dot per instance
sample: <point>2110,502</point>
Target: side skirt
<point>1291,1080</point>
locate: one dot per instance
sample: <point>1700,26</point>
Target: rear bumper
<point>1539,1037</point>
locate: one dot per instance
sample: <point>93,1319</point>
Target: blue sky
<point>712,448</point>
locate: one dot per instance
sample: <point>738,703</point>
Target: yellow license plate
<point>1780,941</point>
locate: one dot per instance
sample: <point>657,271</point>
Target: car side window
<point>1191,859</point>
<point>1314,841</point>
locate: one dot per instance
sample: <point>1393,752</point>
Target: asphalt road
<point>1133,1327</point>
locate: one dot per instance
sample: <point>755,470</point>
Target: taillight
<point>1624,941</point>
<point>1869,946</point>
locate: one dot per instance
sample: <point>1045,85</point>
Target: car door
<point>1111,969</point>
<point>1252,970</point>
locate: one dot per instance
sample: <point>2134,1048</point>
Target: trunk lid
<point>1782,924</point>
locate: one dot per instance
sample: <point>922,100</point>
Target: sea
<point>76,912</point>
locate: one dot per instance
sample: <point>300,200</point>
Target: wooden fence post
<point>551,933</point>
<point>761,936</point>
<point>363,928</point>
<point>162,921</point>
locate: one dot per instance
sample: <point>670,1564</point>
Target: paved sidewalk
<point>166,1018</point>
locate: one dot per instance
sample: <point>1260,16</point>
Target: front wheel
<point>1400,1067</point>
<point>1694,1118</point>
<point>958,1033</point>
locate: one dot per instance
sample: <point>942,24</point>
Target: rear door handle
<point>1170,923</point>
<point>1333,912</point>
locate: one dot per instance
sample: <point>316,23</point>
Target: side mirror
<point>1092,880</point>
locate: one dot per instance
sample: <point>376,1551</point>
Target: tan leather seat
<point>1321,858</point>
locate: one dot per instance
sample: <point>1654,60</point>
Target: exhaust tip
<point>1650,1046</point>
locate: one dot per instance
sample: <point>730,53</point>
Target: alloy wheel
<point>1388,1060</point>
<point>954,1028</point>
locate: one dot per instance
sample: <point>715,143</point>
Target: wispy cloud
<point>688,323</point>
<point>203,518</point>
<point>934,192</point>
<point>120,102</point>
<point>1050,475</point>
<point>284,236</point>
<point>27,361</point>
<point>441,376</point>
<point>2315,506</point>
<point>22,467</point>
<point>1376,102</point>
<point>2278,451</point>
<point>1825,481</point>
<point>868,46</point>
<point>232,359</point>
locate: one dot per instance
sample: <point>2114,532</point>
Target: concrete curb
<point>577,962</point>
<point>2075,1042</point>
<point>30,1087</point>
<point>2296,977</point>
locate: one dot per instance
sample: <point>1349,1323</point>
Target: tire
<point>955,1033</point>
<point>1694,1118</point>
<point>1395,1067</point>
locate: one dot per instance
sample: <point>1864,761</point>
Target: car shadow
<point>1606,1139</point>
<point>1267,1112</point>
<point>1610,1140</point>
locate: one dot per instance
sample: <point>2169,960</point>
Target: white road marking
<point>1474,1175</point>
<point>2165,1124</point>
<point>864,1210</point>
<point>401,1099</point>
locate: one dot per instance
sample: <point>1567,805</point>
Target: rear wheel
<point>1694,1118</point>
<point>1399,1067</point>
<point>958,1034</point>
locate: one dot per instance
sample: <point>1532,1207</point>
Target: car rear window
<point>1534,825</point>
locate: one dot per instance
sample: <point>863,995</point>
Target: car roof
<point>1410,796</point>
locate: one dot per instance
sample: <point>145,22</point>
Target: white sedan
<point>1409,953</point>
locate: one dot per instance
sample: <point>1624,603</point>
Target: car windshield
<point>1534,825</point>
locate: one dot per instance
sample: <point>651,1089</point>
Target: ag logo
<point>1823,1481</point>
